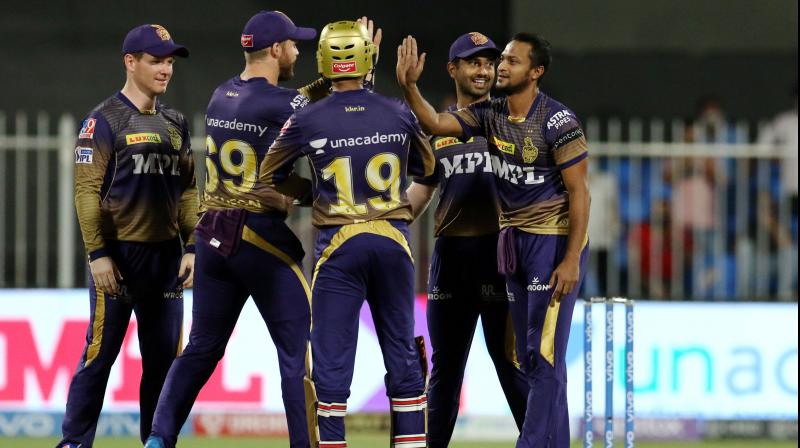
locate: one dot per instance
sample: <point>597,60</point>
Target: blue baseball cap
<point>468,44</point>
<point>152,39</point>
<point>268,27</point>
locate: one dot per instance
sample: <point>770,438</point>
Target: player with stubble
<point>245,249</point>
<point>136,202</point>
<point>539,158</point>
<point>463,283</point>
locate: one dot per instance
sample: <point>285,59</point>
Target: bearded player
<point>539,158</point>
<point>463,283</point>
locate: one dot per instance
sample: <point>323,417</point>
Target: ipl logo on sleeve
<point>83,155</point>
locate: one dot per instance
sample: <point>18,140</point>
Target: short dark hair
<point>540,51</point>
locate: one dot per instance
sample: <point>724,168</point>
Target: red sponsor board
<point>31,373</point>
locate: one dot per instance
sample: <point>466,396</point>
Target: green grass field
<point>375,441</point>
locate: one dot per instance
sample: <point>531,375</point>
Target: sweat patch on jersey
<point>144,137</point>
<point>83,155</point>
<point>505,147</point>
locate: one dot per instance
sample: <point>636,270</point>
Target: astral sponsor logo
<point>375,139</point>
<point>236,125</point>
<point>299,102</point>
<point>83,155</point>
<point>559,119</point>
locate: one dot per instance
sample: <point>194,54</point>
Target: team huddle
<point>511,226</point>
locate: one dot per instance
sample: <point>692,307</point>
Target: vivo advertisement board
<point>727,360</point>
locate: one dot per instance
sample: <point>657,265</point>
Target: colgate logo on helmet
<point>247,40</point>
<point>344,67</point>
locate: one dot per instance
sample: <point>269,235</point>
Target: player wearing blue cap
<point>244,246</point>
<point>463,283</point>
<point>137,206</point>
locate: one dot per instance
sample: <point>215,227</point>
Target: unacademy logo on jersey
<point>369,140</point>
<point>236,125</point>
<point>536,286</point>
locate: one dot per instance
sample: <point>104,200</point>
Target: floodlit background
<point>690,109</point>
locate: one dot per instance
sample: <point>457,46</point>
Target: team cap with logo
<point>152,39</point>
<point>468,44</point>
<point>268,27</point>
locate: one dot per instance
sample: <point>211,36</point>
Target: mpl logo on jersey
<point>83,155</point>
<point>344,67</point>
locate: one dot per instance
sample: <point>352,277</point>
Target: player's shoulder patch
<point>298,101</point>
<point>88,128</point>
<point>560,118</point>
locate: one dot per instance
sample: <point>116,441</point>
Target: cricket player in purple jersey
<point>464,283</point>
<point>136,201</point>
<point>244,246</point>
<point>539,158</point>
<point>361,146</point>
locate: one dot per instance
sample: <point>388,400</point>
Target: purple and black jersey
<point>468,204</point>
<point>134,176</point>
<point>242,120</point>
<point>361,147</point>
<point>527,159</point>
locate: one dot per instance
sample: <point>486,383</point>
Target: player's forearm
<point>431,121</point>
<point>419,196</point>
<point>579,200</point>
<point>188,215</point>
<point>294,186</point>
<point>87,206</point>
<point>317,90</point>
